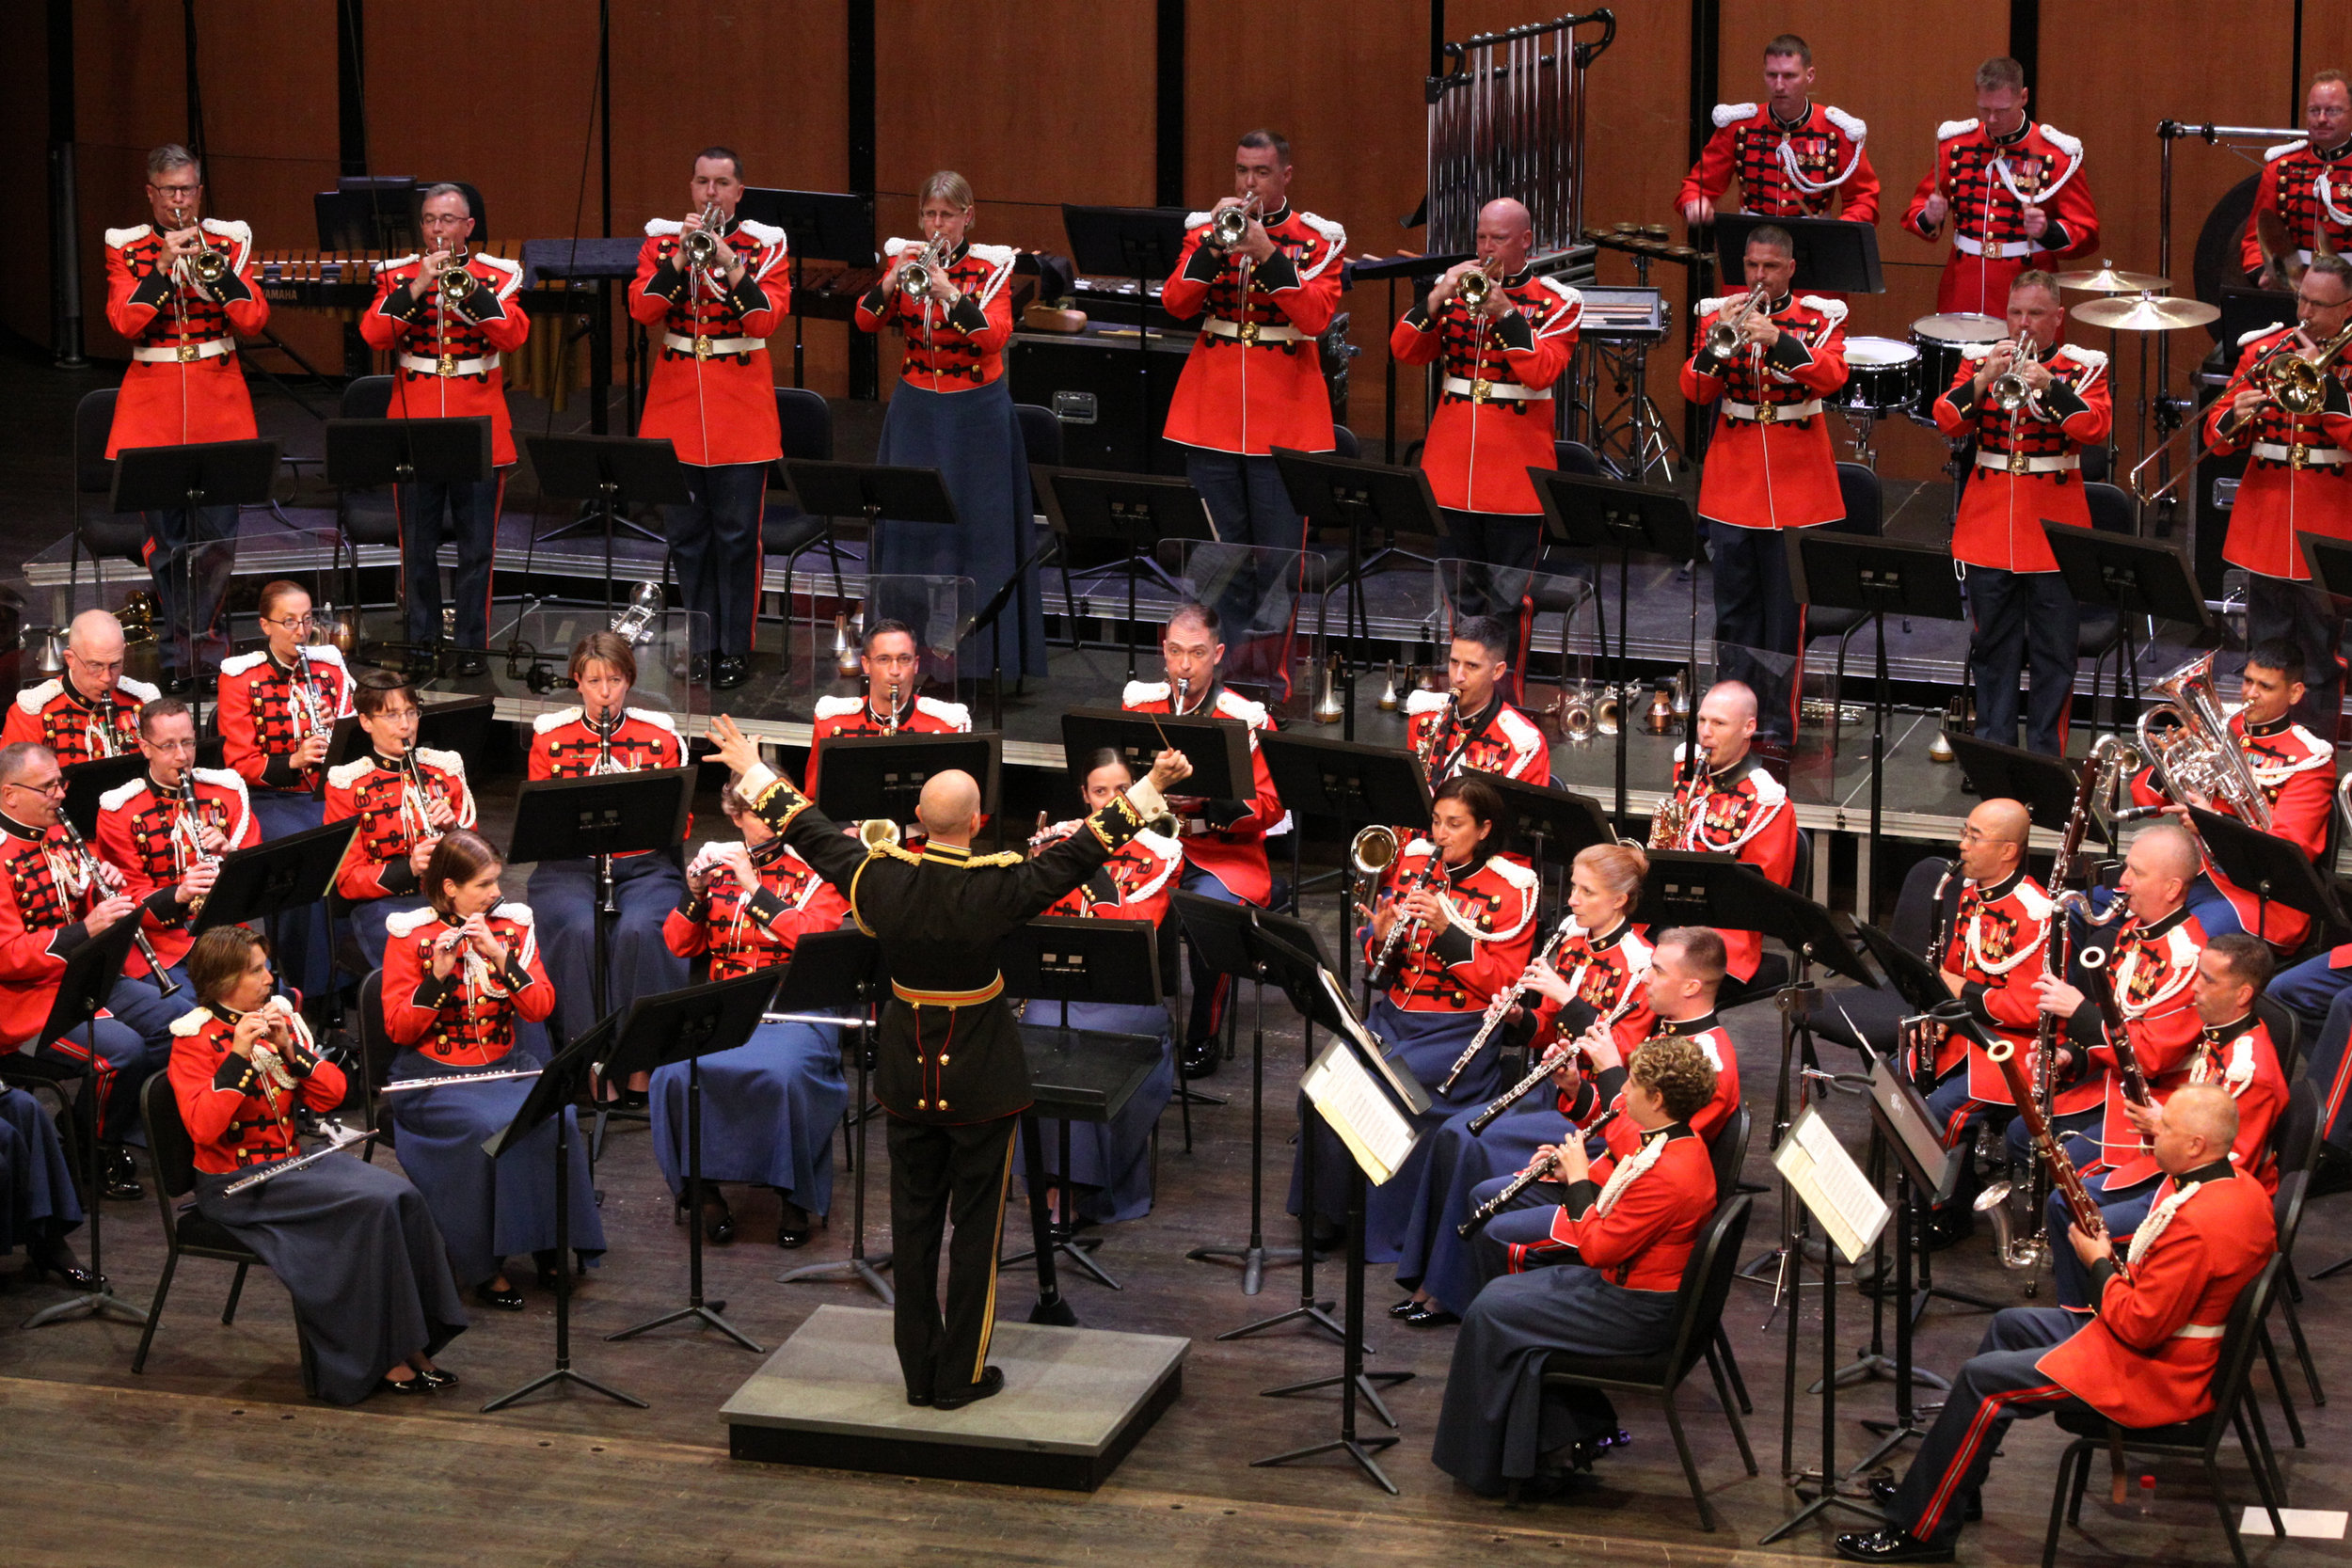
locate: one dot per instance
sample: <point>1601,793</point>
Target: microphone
<point>2134,814</point>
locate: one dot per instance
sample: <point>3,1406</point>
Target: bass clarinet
<point>2079,1203</point>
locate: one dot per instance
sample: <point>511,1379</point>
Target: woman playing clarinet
<point>405,797</point>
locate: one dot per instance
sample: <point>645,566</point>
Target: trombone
<point>1724,338</point>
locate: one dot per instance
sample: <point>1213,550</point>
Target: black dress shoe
<point>469,664</point>
<point>122,1175</point>
<point>1202,1057</point>
<point>1890,1546</point>
<point>1430,1316</point>
<point>919,1398</point>
<point>794,1226</point>
<point>698,669</point>
<point>729,670</point>
<point>178,683</point>
<point>53,1258</point>
<point>438,1378</point>
<point>508,1299</point>
<point>1884,1489</point>
<point>406,1388</point>
<point>1405,1308</point>
<point>992,1383</point>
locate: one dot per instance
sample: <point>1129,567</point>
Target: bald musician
<point>92,710</point>
<point>1728,804</point>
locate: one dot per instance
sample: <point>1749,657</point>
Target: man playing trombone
<point>2031,404</point>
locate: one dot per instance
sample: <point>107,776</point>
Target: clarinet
<point>2079,1203</point>
<point>2101,987</point>
<point>1543,1069</point>
<point>110,884</point>
<point>1500,1008</point>
<point>1389,961</point>
<point>1525,1179</point>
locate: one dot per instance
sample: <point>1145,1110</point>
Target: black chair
<point>102,535</point>
<point>2199,1439</point>
<point>1875,1012</point>
<point>376,1052</point>
<point>187,1233</point>
<point>1729,1153</point>
<point>804,420</point>
<point>1698,1317</point>
<point>2099,635</point>
<point>367,516</point>
<point>2286,1210</point>
<point>2286,1034</point>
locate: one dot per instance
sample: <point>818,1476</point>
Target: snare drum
<point>1882,375</point>
<point>1940,340</point>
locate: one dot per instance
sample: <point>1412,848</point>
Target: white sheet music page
<point>1378,1135</point>
<point>1822,1174</point>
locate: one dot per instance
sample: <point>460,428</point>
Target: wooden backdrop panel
<point>24,307</point>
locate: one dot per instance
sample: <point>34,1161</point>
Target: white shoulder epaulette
<point>118,238</point>
<point>654,716</point>
<point>895,248</point>
<point>518,914</point>
<point>543,722</point>
<point>2038,903</point>
<point>34,698</point>
<point>662,227</point>
<point>838,707</point>
<point>1769,790</point>
<point>230,228</point>
<point>237,664</point>
<point>351,772</point>
<point>123,793</point>
<point>395,264</point>
<point>1522,730</point>
<point>191,1023</point>
<point>1732,114</point>
<point>1160,845</point>
<point>2246,337</point>
<point>1853,125</point>
<point>2071,146</point>
<point>765,233</point>
<point>223,778</point>
<point>2089,358</point>
<point>514,271</point>
<point>1977,350</point>
<point>1951,128</point>
<point>995,255</point>
<point>1709,306</point>
<point>1511,871</point>
<point>402,923</point>
<point>1232,705</point>
<point>2283,149</point>
<point>326,652</point>
<point>1421,700</point>
<point>448,762</point>
<point>1419,846</point>
<point>953,713</point>
<point>1139,692</point>
<point>1333,236</point>
<point>1196,220</point>
<point>1834,308</point>
<point>140,690</point>
<point>1565,293</point>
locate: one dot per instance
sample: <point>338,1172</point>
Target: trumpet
<point>635,622</point>
<point>109,883</point>
<point>458,286</point>
<point>1473,289</point>
<point>915,277</point>
<point>196,273</point>
<point>702,245</point>
<point>1724,338</point>
<point>2007,390</point>
<point>1231,224</point>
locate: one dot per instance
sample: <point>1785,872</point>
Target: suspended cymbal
<point>2106,280</point>
<point>2146,313</point>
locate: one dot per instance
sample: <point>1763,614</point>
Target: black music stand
<point>686,1025</point>
<point>1141,242</point>
<point>2330,561</point>
<point>1362,495</point>
<point>368,454</point>
<point>2132,577</point>
<point>831,226</point>
<point>85,783</point>
<point>88,979</point>
<point>613,471</point>
<point>596,818</point>
<point>1134,512</point>
<point>840,971</point>
<point>1848,571</point>
<point>265,881</point>
<point>2270,868</point>
<point>1610,514</point>
<point>884,775</point>
<point>2045,786</point>
<point>199,474</point>
<point>1219,749</point>
<point>1833,255</point>
<point>552,1092</point>
<point>1057,961</point>
<point>1390,270</point>
<point>1349,782</point>
<point>603,261</point>
<point>873,491</point>
<point>1556,824</point>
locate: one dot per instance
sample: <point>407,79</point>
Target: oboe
<point>1526,1179</point>
<point>1552,1059</point>
<point>1500,1008</point>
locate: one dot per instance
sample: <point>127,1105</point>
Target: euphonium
<point>1725,337</point>
<point>702,245</point>
<point>2197,755</point>
<point>2007,390</point>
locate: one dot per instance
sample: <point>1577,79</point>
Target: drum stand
<point>1861,423</point>
<point>1631,437</point>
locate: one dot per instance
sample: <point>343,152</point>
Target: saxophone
<point>1670,824</point>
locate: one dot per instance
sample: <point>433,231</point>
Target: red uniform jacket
<point>2240,1057</point>
<point>743,934</point>
<point>445,362</point>
<point>44,895</point>
<point>1254,380</point>
<point>2296,771</point>
<point>949,351</point>
<point>1770,464</point>
<point>236,1113</point>
<point>1494,416</point>
<point>261,719</point>
<point>1481,949</point>
<point>2296,480</point>
<point>2311,191</point>
<point>2147,1359</point>
<point>1987,182</point>
<point>185,383</point>
<point>1636,1225</point>
<point>1499,739</point>
<point>2030,461</point>
<point>1600,970</point>
<point>857,715</point>
<point>56,715</point>
<point>565,744</point>
<point>1741,811</point>
<point>392,819</point>
<point>467,1020</point>
<point>1788,171</point>
<point>148,836</point>
<point>1711,1038</point>
<point>2152,970</point>
<point>1233,850</point>
<point>1999,947</point>
<point>1132,884</point>
<point>712,392</point>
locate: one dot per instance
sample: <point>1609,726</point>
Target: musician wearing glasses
<point>2031,404</point>
<point>2012,191</point>
<point>353,1243</point>
<point>1224,841</point>
<point>92,710</point>
<point>770,1106</point>
<point>714,286</point>
<point>1455,925</point>
<point>950,300</point>
<point>1794,158</point>
<point>890,662</point>
<point>404,795</point>
<point>1263,278</point>
<point>1505,335</point>
<point>1728,804</point>
<point>1767,358</point>
<point>182,289</point>
<point>1470,727</point>
<point>447,317</point>
<point>1591,975</point>
<point>466,997</point>
<point>167,829</point>
<point>2302,195</point>
<point>2296,479</point>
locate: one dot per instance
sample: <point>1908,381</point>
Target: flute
<point>401,1086</point>
<point>338,1136</point>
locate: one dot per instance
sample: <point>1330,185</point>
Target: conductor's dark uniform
<point>948,1066</point>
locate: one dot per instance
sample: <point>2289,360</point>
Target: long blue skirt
<point>305,950</point>
<point>488,1211</point>
<point>770,1108</point>
<point>36,1197</point>
<point>1111,1159</point>
<point>1425,1044</point>
<point>973,439</point>
<point>563,900</point>
<point>1431,1255</point>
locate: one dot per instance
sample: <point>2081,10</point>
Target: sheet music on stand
<point>1344,1093</point>
<point>1818,1169</point>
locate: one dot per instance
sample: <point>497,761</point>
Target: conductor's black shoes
<point>1883,1493</point>
<point>1890,1546</point>
<point>992,1383</point>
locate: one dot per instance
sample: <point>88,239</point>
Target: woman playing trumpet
<point>464,991</point>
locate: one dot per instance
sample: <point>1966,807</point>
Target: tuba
<point>2197,754</point>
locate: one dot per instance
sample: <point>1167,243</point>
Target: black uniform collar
<point>224,1012</point>
<point>2014,138</point>
<point>1727,777</point>
<point>2221,1033</point>
<point>1473,723</point>
<point>1518,279</point>
<point>2164,927</point>
<point>1207,704</point>
<point>10,825</point>
<point>605,728</point>
<point>285,670</point>
<point>163,791</point>
<point>1993,893</point>
<point>2213,1170</point>
<point>1672,1130</point>
<point>1459,876</point>
<point>1774,307</point>
<point>953,854</point>
<point>767,852</point>
<point>2275,726</point>
<point>1685,1028</point>
<point>880,715</point>
<point>1274,219</point>
<point>391,764</point>
<point>2332,154</point>
<point>1616,934</point>
<point>73,694</point>
<point>1805,117</point>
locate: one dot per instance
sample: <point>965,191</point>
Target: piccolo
<point>403,1084</point>
<point>338,1137</point>
<point>1528,1177</point>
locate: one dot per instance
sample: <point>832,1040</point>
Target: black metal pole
<point>1168,173</point>
<point>65,239</point>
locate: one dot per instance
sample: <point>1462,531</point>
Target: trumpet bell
<point>914,280</point>
<point>1229,226</point>
<point>1609,718</point>
<point>1474,289</point>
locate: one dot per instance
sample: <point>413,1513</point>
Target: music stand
<point>2045,786</point>
<point>1849,571</point>
<point>837,972</point>
<point>86,781</point>
<point>88,979</point>
<point>1362,494</point>
<point>1833,255</point>
<point>1557,824</point>
<point>2132,577</point>
<point>196,475</point>
<point>2330,561</point>
<point>367,453</point>
<point>265,881</point>
<point>1219,749</point>
<point>552,1092</point>
<point>2271,869</point>
<point>1349,782</point>
<point>686,1025</point>
<point>596,818</point>
<point>1141,242</point>
<point>1609,514</point>
<point>613,471</point>
<point>831,226</point>
<point>1134,512</point>
<point>884,775</point>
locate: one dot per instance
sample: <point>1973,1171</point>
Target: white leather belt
<point>703,348</point>
<point>183,354</point>
<point>448,364</point>
<point>2016,463</point>
<point>2005,248</point>
<point>1771,413</point>
<point>2298,455</point>
<point>2198,1331</point>
<point>1251,332</point>
<point>1482,389</point>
